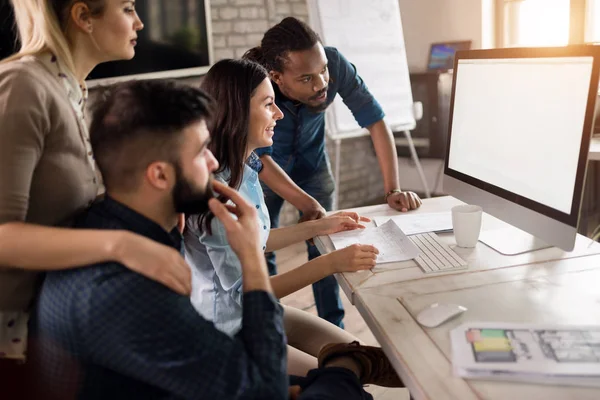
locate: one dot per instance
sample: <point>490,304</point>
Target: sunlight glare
<point>543,23</point>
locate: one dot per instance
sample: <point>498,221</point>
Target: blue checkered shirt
<point>105,332</point>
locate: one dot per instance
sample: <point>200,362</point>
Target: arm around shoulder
<point>25,125</point>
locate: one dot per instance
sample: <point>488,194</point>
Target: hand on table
<point>404,201</point>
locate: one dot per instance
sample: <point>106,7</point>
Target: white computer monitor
<point>519,134</point>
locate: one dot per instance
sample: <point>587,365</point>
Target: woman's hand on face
<point>338,222</point>
<point>353,258</point>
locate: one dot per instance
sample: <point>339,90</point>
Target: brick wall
<point>361,181</point>
<point>238,25</point>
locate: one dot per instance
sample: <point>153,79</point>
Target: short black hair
<point>290,34</point>
<point>139,122</point>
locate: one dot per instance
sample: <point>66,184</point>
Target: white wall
<point>428,21</point>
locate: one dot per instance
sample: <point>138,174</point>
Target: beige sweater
<point>45,176</point>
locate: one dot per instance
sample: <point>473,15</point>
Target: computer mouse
<point>436,314</point>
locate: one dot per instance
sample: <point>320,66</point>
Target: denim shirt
<point>299,139</point>
<point>216,270</point>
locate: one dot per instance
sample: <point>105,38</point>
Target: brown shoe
<point>376,368</point>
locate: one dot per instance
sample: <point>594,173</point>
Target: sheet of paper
<point>392,243</point>
<point>412,224</point>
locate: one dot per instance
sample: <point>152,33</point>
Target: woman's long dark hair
<point>231,83</point>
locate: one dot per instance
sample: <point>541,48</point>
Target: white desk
<point>595,149</point>
<point>480,258</point>
<point>544,286</point>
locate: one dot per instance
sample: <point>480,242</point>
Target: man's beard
<point>186,198</point>
<point>318,109</point>
<point>315,109</point>
<point>321,107</point>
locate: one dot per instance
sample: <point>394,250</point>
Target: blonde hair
<point>42,26</point>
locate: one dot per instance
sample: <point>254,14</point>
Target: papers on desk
<point>552,354</point>
<point>412,224</point>
<point>392,243</point>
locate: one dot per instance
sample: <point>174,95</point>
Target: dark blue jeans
<point>330,383</point>
<point>321,186</point>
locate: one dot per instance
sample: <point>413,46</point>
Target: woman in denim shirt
<point>245,117</point>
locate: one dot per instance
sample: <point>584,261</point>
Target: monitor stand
<point>511,241</point>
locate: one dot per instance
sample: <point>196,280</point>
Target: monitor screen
<point>517,128</point>
<point>175,41</point>
<point>441,55</point>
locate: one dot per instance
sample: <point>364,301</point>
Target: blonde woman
<point>47,169</point>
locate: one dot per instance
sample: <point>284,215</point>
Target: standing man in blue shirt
<point>307,77</point>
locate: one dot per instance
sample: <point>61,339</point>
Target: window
<point>547,22</point>
<point>536,22</point>
<point>592,21</point>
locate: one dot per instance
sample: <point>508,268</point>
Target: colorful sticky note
<point>473,335</point>
<point>493,333</point>
<point>494,344</point>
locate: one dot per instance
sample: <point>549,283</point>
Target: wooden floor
<point>295,256</point>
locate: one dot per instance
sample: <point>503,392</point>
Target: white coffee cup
<point>466,223</point>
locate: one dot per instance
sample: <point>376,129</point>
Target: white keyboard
<point>435,255</point>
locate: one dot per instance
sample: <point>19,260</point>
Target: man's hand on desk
<point>403,201</point>
<point>352,258</point>
<point>313,211</point>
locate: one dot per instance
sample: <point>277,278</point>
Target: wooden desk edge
<point>341,279</point>
<point>416,388</point>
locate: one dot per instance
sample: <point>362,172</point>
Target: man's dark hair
<point>139,122</point>
<point>289,35</point>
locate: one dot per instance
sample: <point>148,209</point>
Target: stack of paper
<point>553,354</point>
<point>392,243</point>
<point>412,224</point>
